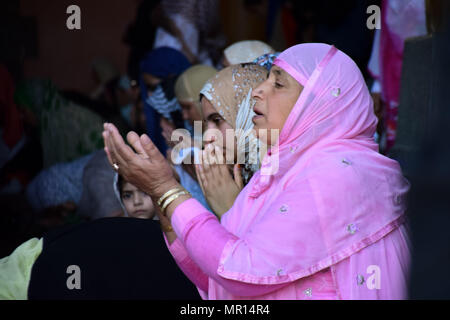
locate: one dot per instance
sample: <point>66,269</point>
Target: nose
<point>258,92</point>
<point>137,199</point>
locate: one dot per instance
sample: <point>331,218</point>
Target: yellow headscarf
<point>191,81</point>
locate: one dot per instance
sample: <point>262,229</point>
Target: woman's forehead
<point>282,74</point>
<point>276,70</point>
<point>207,108</point>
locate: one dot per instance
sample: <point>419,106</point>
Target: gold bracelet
<point>171,199</point>
<point>166,229</point>
<point>167,194</point>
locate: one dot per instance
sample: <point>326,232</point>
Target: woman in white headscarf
<point>227,105</point>
<point>245,51</point>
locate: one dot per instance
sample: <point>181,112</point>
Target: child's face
<point>137,203</point>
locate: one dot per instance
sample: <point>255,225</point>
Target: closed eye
<point>215,118</point>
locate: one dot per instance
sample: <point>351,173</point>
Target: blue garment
<point>162,62</point>
<point>266,60</point>
<point>161,104</point>
<point>57,184</point>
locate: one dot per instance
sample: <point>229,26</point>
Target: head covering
<point>133,251</point>
<point>58,184</point>
<point>231,86</point>
<point>188,86</point>
<point>190,82</point>
<point>324,193</point>
<point>266,60</point>
<point>230,94</point>
<point>165,63</point>
<point>246,51</point>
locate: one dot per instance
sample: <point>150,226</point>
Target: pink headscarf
<point>330,194</point>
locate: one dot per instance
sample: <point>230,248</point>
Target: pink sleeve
<point>185,263</point>
<point>204,239</point>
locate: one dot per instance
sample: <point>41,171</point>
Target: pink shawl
<point>329,194</point>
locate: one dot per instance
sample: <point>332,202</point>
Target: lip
<point>257,111</point>
<point>256,117</point>
<point>139,213</point>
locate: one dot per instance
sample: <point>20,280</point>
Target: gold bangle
<point>171,199</point>
<point>167,229</point>
<point>167,194</point>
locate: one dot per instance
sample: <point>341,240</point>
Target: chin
<point>140,216</point>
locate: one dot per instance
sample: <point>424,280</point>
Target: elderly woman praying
<point>324,216</point>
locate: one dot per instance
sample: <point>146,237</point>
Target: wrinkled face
<point>190,111</point>
<point>275,99</point>
<point>214,123</point>
<point>137,203</point>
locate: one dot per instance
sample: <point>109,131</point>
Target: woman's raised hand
<point>145,166</point>
<point>218,185</point>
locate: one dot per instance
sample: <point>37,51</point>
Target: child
<point>136,203</point>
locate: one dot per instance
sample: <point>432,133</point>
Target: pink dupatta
<point>325,209</point>
<point>330,194</point>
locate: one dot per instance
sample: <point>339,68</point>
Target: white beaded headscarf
<point>230,94</point>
